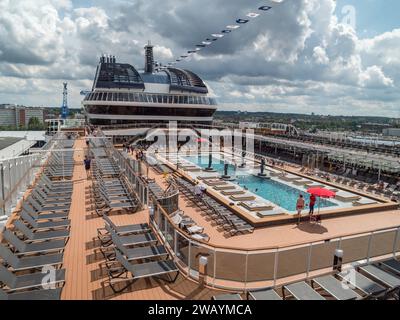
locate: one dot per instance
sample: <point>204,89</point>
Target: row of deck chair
<point>133,252</point>
<point>67,142</point>
<point>104,163</point>
<point>231,223</point>
<point>375,281</point>
<point>112,194</point>
<point>110,190</point>
<point>60,165</point>
<point>36,241</point>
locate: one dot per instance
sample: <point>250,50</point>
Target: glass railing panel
<point>231,266</point>
<point>260,266</point>
<point>2,211</point>
<point>170,234</point>
<point>196,251</point>
<point>182,249</point>
<point>382,243</point>
<point>6,179</point>
<point>355,249</point>
<point>322,255</point>
<point>292,262</point>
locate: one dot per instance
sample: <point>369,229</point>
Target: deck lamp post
<point>209,168</point>
<point>225,175</point>
<point>338,260</point>
<point>203,262</point>
<point>177,157</point>
<point>262,173</point>
<point>243,161</point>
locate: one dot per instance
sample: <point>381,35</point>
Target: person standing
<point>313,199</point>
<point>197,191</point>
<point>300,206</point>
<point>87,163</point>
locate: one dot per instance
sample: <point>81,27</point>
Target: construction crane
<point>64,107</point>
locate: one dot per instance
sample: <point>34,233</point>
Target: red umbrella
<point>321,193</point>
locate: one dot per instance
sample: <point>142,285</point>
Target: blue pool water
<point>279,193</point>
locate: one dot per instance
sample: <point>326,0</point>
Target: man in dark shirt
<point>87,163</point>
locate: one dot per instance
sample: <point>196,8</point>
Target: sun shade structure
<point>321,192</point>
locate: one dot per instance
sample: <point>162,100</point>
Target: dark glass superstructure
<point>122,95</point>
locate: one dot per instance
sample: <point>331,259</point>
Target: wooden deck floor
<point>83,272</point>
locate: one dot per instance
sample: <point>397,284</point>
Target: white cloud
<point>374,77</point>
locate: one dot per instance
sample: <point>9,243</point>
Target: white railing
<point>243,270</point>
<point>15,176</point>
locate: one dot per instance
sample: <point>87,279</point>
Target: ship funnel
<point>149,58</point>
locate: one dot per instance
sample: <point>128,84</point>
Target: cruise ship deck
<point>269,257</point>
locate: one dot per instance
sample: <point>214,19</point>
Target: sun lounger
<point>139,271</point>
<point>393,265</point>
<point>364,202</point>
<point>193,169</point>
<point>213,183</point>
<point>42,235</point>
<point>29,262</point>
<point>347,196</point>
<point>194,229</point>
<point>201,237</point>
<point>29,248</point>
<point>227,297</point>
<point>301,291</point>
<point>213,177</point>
<point>315,185</point>
<point>43,294</point>
<point>268,294</point>
<point>50,190</point>
<point>40,207</point>
<point>243,198</point>
<point>49,202</point>
<point>334,287</point>
<point>224,188</point>
<point>381,276</point>
<point>64,197</point>
<point>28,281</point>
<point>233,193</point>
<point>361,282</point>
<point>290,177</point>
<point>44,225</point>
<point>56,184</point>
<point>135,239</point>
<point>139,252</point>
<point>38,215</point>
<point>302,182</point>
<point>256,206</point>
<point>127,229</point>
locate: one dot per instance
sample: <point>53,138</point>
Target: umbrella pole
<point>319,204</point>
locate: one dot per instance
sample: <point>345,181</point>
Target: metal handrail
<point>276,251</point>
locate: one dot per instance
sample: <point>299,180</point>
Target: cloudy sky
<point>303,56</point>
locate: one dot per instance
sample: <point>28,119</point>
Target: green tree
<point>34,124</point>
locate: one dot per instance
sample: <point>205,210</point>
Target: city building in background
<point>391,132</point>
<point>20,116</point>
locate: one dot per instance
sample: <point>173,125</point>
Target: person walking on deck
<point>313,199</point>
<point>300,204</point>
<point>87,163</point>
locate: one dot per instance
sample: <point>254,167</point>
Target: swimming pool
<point>277,192</point>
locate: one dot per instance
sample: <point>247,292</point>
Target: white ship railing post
<point>309,259</point>
<point>276,264</point>
<point>369,246</point>
<point>395,242</point>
